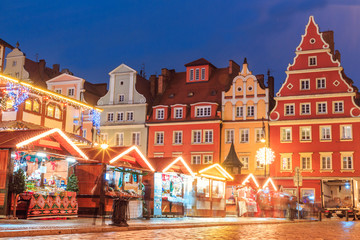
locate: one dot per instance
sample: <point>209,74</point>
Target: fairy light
<point>265,155</point>
<point>272,184</point>
<point>220,169</point>
<point>247,180</point>
<point>183,162</point>
<point>212,177</point>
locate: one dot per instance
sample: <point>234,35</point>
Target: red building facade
<point>315,121</point>
<point>186,116</point>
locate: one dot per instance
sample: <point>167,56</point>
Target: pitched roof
<point>199,62</point>
<point>143,87</point>
<point>5,44</point>
<point>232,159</point>
<point>39,73</point>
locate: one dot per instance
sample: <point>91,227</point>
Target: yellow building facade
<point>245,108</point>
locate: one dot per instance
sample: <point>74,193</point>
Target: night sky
<point>91,38</point>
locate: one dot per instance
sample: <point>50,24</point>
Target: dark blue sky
<point>91,38</point>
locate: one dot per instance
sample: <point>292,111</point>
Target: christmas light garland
<point>14,92</point>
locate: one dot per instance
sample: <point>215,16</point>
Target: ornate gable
<point>312,39</point>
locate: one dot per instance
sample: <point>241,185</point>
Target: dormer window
<point>197,74</point>
<point>312,61</point>
<point>178,113</point>
<point>203,111</point>
<point>191,74</point>
<point>160,113</point>
<point>203,74</point>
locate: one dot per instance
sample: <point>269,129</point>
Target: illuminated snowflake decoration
<point>265,155</point>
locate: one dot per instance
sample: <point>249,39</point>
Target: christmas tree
<point>18,184</point>
<point>72,184</point>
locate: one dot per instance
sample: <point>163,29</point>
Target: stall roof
<point>271,182</point>
<point>171,165</point>
<point>215,171</point>
<point>50,138</point>
<point>250,176</point>
<point>120,157</point>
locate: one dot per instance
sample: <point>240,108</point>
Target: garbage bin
<point>120,212</point>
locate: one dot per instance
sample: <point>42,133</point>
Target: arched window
<point>28,105</point>
<point>36,106</point>
<point>50,110</point>
<point>57,112</point>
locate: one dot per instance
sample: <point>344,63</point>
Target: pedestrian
<point>98,196</point>
<point>147,199</point>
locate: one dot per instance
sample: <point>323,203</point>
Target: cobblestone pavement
<point>309,230</point>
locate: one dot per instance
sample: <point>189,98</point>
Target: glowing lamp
<point>70,159</point>
<point>41,154</point>
<point>104,146</point>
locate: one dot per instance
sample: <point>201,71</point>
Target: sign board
<point>297,177</point>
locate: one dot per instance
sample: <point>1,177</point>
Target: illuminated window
<point>259,164</point>
<point>9,104</point>
<point>346,132</point>
<point>50,110</point>
<point>208,159</point>
<point>104,137</point>
<point>28,105</point>
<point>36,106</point>
<point>325,132</point>
<point>305,133</point>
<point>244,135</point>
<point>119,139</point>
<point>57,112</point>
<point>347,160</point>
<point>259,134</point>
<point>286,134</point>
<point>286,161</point>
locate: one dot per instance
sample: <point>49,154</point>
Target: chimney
<point>328,36</point>
<point>42,64</point>
<point>234,68</point>
<point>163,80</point>
<point>153,85</point>
<point>56,68</point>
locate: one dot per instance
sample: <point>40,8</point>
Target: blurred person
<point>147,199</point>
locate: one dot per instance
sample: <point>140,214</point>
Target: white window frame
<point>346,156</point>
<point>229,135</point>
<point>121,98</point>
<point>320,106</point>
<point>336,106</point>
<point>135,141</point>
<point>324,137</point>
<point>196,136</point>
<point>289,109</point>
<point>160,113</point>
<point>110,117</point>
<point>288,158</point>
<point>311,59</point>
<point>191,75</point>
<point>196,159</point>
<point>259,165</point>
<point>118,118</point>
<point>197,74</point>
<point>73,92</point>
<point>321,83</point>
<point>104,137</point>
<point>159,138</point>
<point>158,154</point>
<point>178,113</point>
<point>288,138</point>
<point>58,90</point>
<point>245,161</point>
<point>308,161</point>
<point>176,139</point>
<point>250,111</point>
<point>244,135</point>
<point>307,136</point>
<point>327,156</point>
<point>203,111</point>
<point>119,139</point>
<point>208,159</point>
<point>239,111</point>
<point>202,73</point>
<point>304,84</point>
<point>130,113</point>
<point>208,136</point>
<point>303,106</point>
<point>346,135</point>
<point>259,134</point>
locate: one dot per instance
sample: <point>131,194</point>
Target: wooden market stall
<point>172,185</point>
<point>43,155</point>
<point>123,169</point>
<point>210,187</point>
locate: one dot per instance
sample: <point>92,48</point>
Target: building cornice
<point>314,70</point>
<point>313,121</point>
<point>182,123</point>
<point>326,95</point>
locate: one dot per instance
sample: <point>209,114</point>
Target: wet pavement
<point>328,229</point>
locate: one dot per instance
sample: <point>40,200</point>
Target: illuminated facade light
<point>265,155</point>
<point>104,146</point>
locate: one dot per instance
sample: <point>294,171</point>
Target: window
<point>308,193</point>
<point>71,92</point>
<point>305,133</point>
<point>104,137</point>
<point>14,63</point>
<point>196,136</point>
<point>338,107</point>
<point>347,161</point>
<point>208,136</point>
<point>28,105</point>
<point>286,135</point>
<point>203,111</point>
<point>289,109</point>
<point>58,90</point>
<point>195,159</point>
<point>197,74</point>
<point>129,116</point>
<point>305,162</point>
<point>178,113</point>
<point>158,155</point>
<point>177,137</point>
<point>326,163</point>
<point>304,84</point>
<point>159,138</point>
<point>120,116</point>
<point>286,162</point>
<point>110,117</point>
<point>207,159</point>
<point>346,132</point>
<point>305,108</point>
<point>84,133</point>
<point>160,113</point>
<point>250,111</point>
<point>320,83</point>
<point>229,135</point>
<point>17,75</point>
<point>119,139</point>
<point>244,135</point>
<point>191,74</point>
<point>258,164</point>
<point>312,61</point>
<point>50,110</point>
<point>121,98</point>
<point>239,111</point>
<point>259,134</point>
<point>325,133</point>
<point>9,104</point>
<point>245,162</point>
<point>203,74</point>
<point>321,108</point>
<point>57,112</point>
<point>135,139</point>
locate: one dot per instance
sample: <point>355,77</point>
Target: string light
<point>16,93</point>
<point>95,117</point>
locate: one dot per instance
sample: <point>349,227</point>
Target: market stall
<point>44,157</point>
<point>122,169</point>
<point>210,186</point>
<point>173,188</point>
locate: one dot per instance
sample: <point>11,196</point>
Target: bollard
<point>320,216</point>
